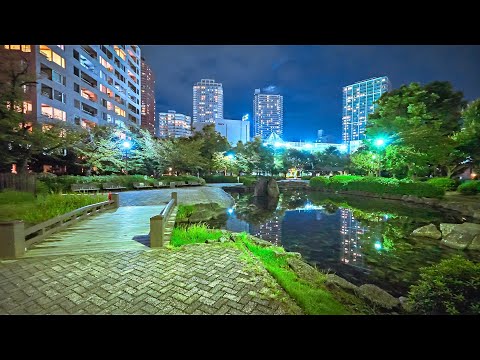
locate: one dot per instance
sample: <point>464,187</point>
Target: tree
<point>365,162</point>
<point>185,155</point>
<point>294,159</point>
<point>421,121</point>
<point>101,150</point>
<point>23,138</point>
<point>468,137</point>
<point>212,142</point>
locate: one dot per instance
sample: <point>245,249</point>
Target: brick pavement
<point>198,279</point>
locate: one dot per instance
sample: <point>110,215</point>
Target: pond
<point>364,240</point>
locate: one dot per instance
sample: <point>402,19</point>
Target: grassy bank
<point>311,295</point>
<point>377,185</point>
<point>15,205</point>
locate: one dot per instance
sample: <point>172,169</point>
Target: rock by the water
<point>205,211</point>
<point>260,242</point>
<point>406,306</point>
<point>272,188</point>
<point>378,296</point>
<point>261,187</point>
<point>303,270</point>
<point>336,280</point>
<point>475,244</point>
<point>429,231</point>
<point>460,236</point>
<point>446,228</point>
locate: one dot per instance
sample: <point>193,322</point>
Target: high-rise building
<point>207,101</point>
<point>234,130</point>
<point>87,85</point>
<point>174,125</point>
<point>267,114</point>
<point>148,98</point>
<point>358,102</point>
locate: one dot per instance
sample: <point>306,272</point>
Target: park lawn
<point>16,205</point>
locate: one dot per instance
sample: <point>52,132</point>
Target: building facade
<point>276,141</point>
<point>207,101</point>
<point>358,102</point>
<point>87,85</point>
<point>234,130</point>
<point>148,98</point>
<point>174,125</point>
<point>267,114</point>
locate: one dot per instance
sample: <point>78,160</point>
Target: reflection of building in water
<point>269,231</point>
<point>237,225</point>
<point>350,231</point>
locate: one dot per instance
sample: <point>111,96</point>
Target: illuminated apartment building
<point>350,232</point>
<point>174,125</point>
<point>267,114</point>
<point>358,102</point>
<point>207,101</point>
<point>87,85</point>
<point>148,99</point>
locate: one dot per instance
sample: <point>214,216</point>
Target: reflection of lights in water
<point>378,245</point>
<point>308,206</point>
<point>230,211</point>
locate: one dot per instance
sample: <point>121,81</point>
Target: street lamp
<point>379,144</point>
<point>126,145</point>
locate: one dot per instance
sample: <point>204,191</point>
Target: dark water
<point>364,240</point>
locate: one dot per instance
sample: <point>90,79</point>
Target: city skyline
<point>310,77</point>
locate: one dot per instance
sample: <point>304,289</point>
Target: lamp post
<point>379,144</point>
<point>126,146</point>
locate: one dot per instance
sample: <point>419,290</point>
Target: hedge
<point>470,187</point>
<point>444,183</point>
<point>62,184</point>
<point>246,180</point>
<point>376,185</point>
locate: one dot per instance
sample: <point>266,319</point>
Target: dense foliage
<point>449,287</point>
<point>471,187</point>
<point>376,185</point>
<point>444,183</point>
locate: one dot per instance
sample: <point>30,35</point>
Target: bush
<point>62,184</point>
<point>319,182</point>
<point>470,187</point>
<point>11,197</point>
<point>444,183</point>
<point>449,287</point>
<point>377,185</point>
<point>41,187</point>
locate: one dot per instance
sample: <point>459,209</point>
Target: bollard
<point>12,239</point>
<point>156,231</point>
<point>175,198</point>
<point>116,198</point>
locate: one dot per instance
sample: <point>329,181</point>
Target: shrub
<point>41,187</point>
<point>319,182</point>
<point>444,183</point>
<point>449,287</point>
<point>377,185</point>
<point>470,187</point>
<point>62,184</point>
<point>246,180</point>
<point>11,197</point>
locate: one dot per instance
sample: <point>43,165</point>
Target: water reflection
<point>350,231</point>
<point>362,240</point>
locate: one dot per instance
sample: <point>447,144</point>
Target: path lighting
<point>230,211</point>
<point>126,145</point>
<point>378,245</point>
<point>379,144</point>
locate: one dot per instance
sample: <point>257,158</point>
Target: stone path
<point>191,195</point>
<point>198,279</point>
<point>123,229</point>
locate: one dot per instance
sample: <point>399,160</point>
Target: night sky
<point>310,77</point>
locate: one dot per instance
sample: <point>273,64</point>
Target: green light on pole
<point>379,142</point>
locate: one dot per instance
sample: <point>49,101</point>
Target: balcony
<point>89,80</point>
<point>89,110</point>
<point>88,94</point>
<point>89,51</point>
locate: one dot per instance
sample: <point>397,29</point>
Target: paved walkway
<point>186,195</point>
<point>198,279</point>
<point>126,228</point>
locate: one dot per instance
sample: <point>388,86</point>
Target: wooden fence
<point>19,182</point>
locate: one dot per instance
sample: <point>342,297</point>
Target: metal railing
<point>159,223</point>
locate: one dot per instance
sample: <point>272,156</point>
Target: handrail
<point>167,209</point>
<point>159,222</point>
<point>51,226</point>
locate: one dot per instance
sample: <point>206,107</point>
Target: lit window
<point>106,64</point>
<point>53,113</point>
<point>120,52</point>
<point>26,48</point>
<point>12,47</point>
<point>27,106</point>
<point>61,47</point>
<point>52,56</point>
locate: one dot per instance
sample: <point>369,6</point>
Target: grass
<point>196,233</point>
<point>185,211</point>
<point>15,205</point>
<point>312,297</point>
